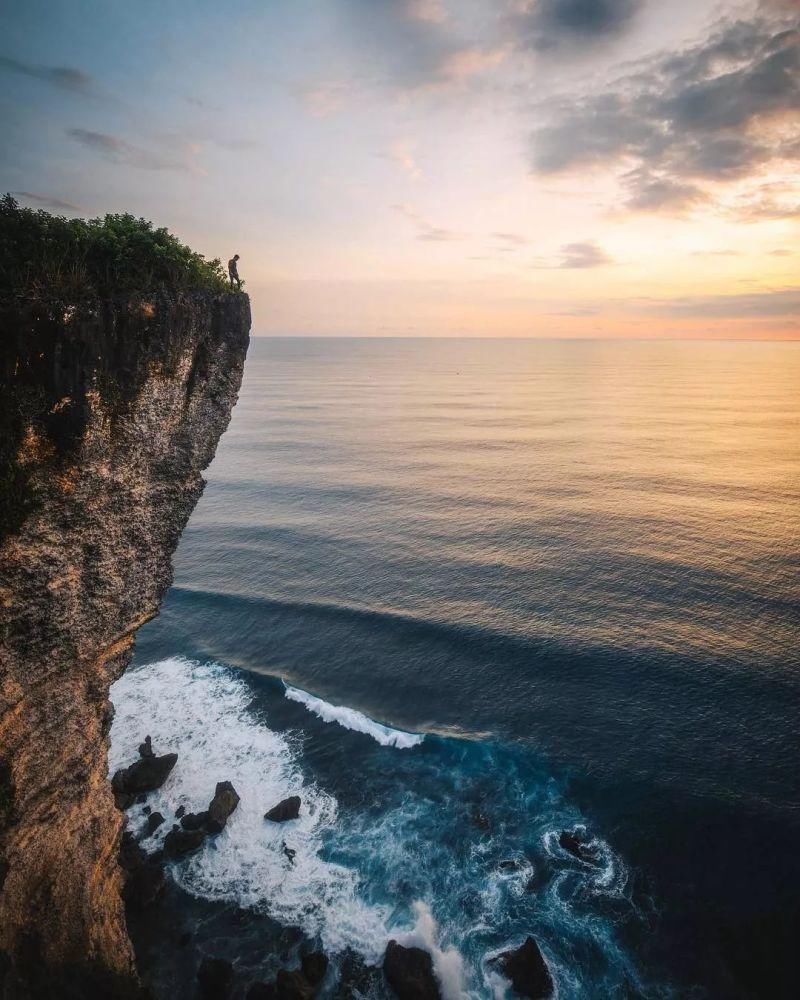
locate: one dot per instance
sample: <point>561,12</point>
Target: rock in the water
<point>144,879</point>
<point>146,748</point>
<point>123,800</point>
<point>409,971</point>
<point>178,843</point>
<point>154,821</point>
<point>314,966</point>
<point>214,978</point>
<point>180,811</point>
<point>145,775</point>
<point>290,985</point>
<point>527,970</point>
<point>221,806</point>
<point>293,986</point>
<point>576,844</point>
<point>261,991</point>
<point>194,821</point>
<point>283,811</point>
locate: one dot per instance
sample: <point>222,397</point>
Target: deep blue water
<point>572,567</point>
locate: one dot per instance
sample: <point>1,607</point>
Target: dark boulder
<point>214,979</point>
<point>144,879</point>
<point>293,986</point>
<point>123,800</point>
<point>180,811</point>
<point>261,991</point>
<point>221,806</point>
<point>409,971</point>
<point>357,979</point>
<point>283,811</point>
<point>179,843</point>
<point>194,821</point>
<point>314,965</point>
<point>144,775</point>
<point>146,748</point>
<point>288,985</point>
<point>154,821</point>
<point>527,970</point>
<point>578,845</point>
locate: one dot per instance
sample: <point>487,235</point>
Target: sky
<point>534,168</point>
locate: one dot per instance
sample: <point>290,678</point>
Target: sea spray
<point>448,963</point>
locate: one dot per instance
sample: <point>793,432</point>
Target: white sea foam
<point>349,718</point>
<point>606,871</point>
<point>203,713</point>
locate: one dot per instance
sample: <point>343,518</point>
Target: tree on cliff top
<point>51,257</point>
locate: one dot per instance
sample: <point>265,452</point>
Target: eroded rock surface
<point>108,415</point>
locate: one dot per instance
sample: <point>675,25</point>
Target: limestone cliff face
<point>108,416</point>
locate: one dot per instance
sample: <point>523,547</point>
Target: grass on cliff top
<point>44,256</point>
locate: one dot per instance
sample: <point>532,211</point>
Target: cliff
<point>109,413</point>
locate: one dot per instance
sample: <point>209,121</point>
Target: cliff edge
<point>109,413</point>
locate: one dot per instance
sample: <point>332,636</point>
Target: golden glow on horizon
<point>427,169</point>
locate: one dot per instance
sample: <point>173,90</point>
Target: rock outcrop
<point>284,811</point>
<point>409,972</point>
<point>526,968</point>
<point>109,412</point>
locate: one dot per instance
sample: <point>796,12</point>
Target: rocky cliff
<point>109,413</point>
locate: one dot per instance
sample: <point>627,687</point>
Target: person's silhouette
<point>233,272</point>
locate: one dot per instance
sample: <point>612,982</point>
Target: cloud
<point>321,100</point>
<point>462,64</point>
<point>64,77</point>
<point>781,252</point>
<point>781,302</point>
<point>714,112</point>
<point>413,45</point>
<point>583,255</point>
<point>401,152</point>
<point>553,24</point>
<point>120,151</point>
<point>770,201</point>
<point>46,201</point>
<point>716,253</point>
<point>510,240</point>
<point>426,231</point>
<point>427,10</point>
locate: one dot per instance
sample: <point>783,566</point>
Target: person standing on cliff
<point>233,272</point>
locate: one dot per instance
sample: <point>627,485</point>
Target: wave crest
<point>350,718</point>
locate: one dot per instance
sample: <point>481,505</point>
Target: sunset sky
<point>434,167</point>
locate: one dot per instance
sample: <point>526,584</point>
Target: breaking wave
<point>203,712</point>
<point>349,718</point>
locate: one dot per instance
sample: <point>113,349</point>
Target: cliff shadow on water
<point>111,407</point>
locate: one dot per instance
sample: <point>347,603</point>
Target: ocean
<point>460,596</point>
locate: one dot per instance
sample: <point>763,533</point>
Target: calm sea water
<point>462,595</point>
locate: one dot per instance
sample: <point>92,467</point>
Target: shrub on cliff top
<point>51,257</point>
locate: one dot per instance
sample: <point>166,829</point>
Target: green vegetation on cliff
<point>44,256</point>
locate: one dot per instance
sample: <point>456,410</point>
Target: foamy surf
<point>202,711</point>
<point>350,718</point>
